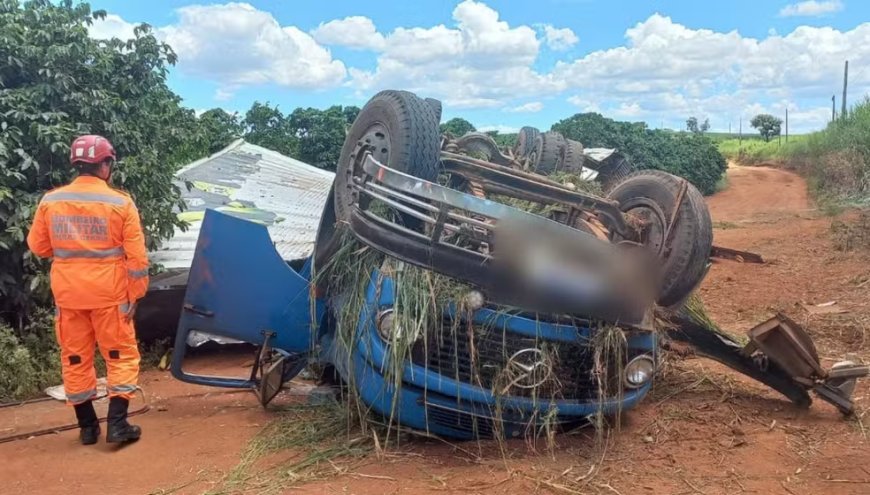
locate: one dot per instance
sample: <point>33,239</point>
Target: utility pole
<point>740,135</point>
<point>729,128</point>
<point>833,108</point>
<point>786,125</point>
<point>845,84</point>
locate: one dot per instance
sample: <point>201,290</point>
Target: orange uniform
<point>99,270</point>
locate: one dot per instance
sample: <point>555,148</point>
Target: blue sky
<point>504,64</point>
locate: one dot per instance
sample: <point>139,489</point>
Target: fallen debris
<point>736,255</point>
<point>828,308</point>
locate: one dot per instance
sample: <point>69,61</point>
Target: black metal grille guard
<point>435,207</point>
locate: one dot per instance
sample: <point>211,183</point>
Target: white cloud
<point>559,38</point>
<point>354,32</point>
<point>669,70</point>
<point>532,106</point>
<point>480,62</point>
<point>236,44</point>
<point>811,8</point>
<point>224,94</point>
<point>113,26</point>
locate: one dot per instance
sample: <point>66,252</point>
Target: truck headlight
<point>385,322</point>
<point>639,371</point>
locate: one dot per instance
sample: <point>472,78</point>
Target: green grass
<point>718,137</point>
<point>757,151</point>
<point>835,161</point>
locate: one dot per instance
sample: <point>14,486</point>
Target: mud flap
<point>240,288</point>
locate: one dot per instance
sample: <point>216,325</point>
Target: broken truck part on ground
<point>457,288</point>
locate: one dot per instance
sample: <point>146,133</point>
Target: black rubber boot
<point>88,422</point>
<point>119,429</point>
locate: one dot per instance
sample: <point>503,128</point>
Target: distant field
<point>756,150</point>
<point>836,160</point>
<point>725,136</point>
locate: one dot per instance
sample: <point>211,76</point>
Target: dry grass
<point>853,234</point>
<point>312,442</point>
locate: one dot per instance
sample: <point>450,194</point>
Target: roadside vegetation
<point>691,155</point>
<point>835,161</point>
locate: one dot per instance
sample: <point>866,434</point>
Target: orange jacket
<point>94,234</point>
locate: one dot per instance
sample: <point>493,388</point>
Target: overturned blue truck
<point>456,289</point>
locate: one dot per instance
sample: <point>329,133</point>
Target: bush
<point>29,359</point>
<point>689,155</point>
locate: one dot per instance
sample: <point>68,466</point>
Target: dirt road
<point>704,429</point>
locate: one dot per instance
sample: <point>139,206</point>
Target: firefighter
<point>99,270</point>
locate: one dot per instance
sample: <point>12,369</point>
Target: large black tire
<point>401,131</point>
<point>551,153</point>
<point>526,142</point>
<point>478,145</point>
<point>573,156</point>
<point>652,195</point>
<point>436,107</point>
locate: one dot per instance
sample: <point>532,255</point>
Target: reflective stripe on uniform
<point>88,253</point>
<point>82,396</point>
<point>121,389</point>
<point>125,308</point>
<point>84,196</point>
<point>137,273</point>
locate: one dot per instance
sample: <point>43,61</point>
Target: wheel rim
<point>376,140</point>
<point>652,234</point>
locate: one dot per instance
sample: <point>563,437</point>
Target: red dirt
<point>703,430</point>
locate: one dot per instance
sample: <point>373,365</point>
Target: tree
<point>320,134</point>
<point>457,127</point>
<point>350,114</point>
<point>768,125</point>
<point>217,129</point>
<point>692,156</point>
<point>57,82</point>
<point>503,140</point>
<point>267,127</point>
<point>693,126</point>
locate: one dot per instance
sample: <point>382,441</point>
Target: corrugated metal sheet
<point>255,183</point>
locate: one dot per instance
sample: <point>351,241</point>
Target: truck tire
<point>526,141</point>
<point>652,195</point>
<point>436,107</point>
<point>550,147</point>
<point>573,156</point>
<point>478,145</point>
<point>401,131</point>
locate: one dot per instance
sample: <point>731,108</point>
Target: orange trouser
<point>78,330</point>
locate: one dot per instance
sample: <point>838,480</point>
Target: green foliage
<point>29,359</point>
<point>768,125</point>
<point>320,133</point>
<point>755,150</point>
<point>217,129</point>
<point>689,155</point>
<point>267,127</point>
<point>457,127</point>
<point>55,83</point>
<point>308,134</point>
<point>503,140</point>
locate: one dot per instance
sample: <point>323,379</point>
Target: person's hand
<point>128,317</point>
